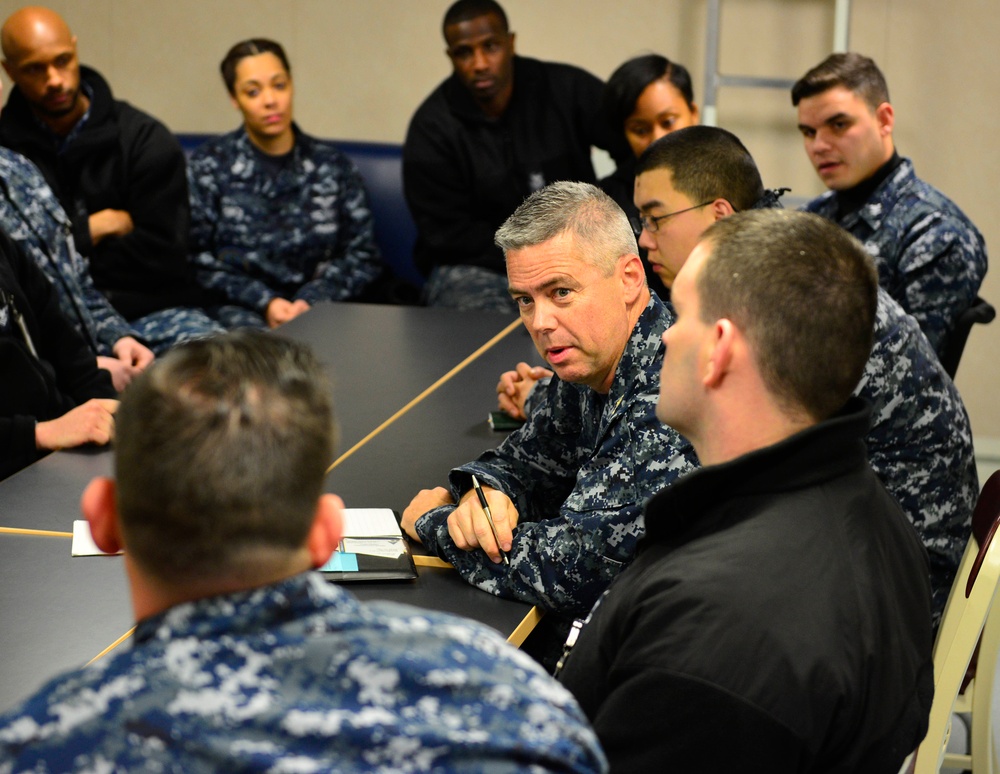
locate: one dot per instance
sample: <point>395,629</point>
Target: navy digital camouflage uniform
<point>32,216</point>
<point>578,471</point>
<point>930,257</point>
<point>920,442</point>
<point>303,233</point>
<point>468,288</point>
<point>299,677</point>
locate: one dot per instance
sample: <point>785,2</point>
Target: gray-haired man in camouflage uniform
<point>566,489</point>
<point>244,659</point>
<point>929,255</point>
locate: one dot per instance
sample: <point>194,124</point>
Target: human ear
<point>633,277</point>
<point>721,208</point>
<point>327,529</point>
<point>100,508</point>
<point>720,352</point>
<point>886,118</point>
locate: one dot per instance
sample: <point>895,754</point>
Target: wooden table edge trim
<point>488,345</point>
<point>523,629</point>
<point>431,561</point>
<point>35,532</point>
<point>112,646</point>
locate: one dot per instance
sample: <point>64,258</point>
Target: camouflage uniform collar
<point>644,345</point>
<point>251,610</point>
<point>878,206</point>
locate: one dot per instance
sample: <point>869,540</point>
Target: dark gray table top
<point>57,612</point>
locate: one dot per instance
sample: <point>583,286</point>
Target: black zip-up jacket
<point>464,173</point>
<point>122,159</point>
<point>61,374</point>
<point>776,618</point>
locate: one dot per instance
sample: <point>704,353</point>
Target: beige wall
<point>362,66</point>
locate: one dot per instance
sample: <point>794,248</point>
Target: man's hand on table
<point>91,422</point>
<point>426,500</point>
<point>514,387</point>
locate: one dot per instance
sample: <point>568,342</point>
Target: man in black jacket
<point>777,614</point>
<point>500,128</point>
<point>118,173</point>
<point>52,394</point>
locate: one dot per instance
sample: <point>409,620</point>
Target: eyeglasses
<point>652,225</point>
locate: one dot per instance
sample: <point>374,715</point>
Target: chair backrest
<point>985,520</point>
<point>980,311</point>
<point>969,603</point>
<point>381,168</point>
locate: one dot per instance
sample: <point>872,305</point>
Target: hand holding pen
<point>489,517</point>
<point>484,519</point>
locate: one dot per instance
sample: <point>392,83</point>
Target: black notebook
<point>372,549</point>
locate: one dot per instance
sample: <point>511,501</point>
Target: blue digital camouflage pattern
<point>32,216</point>
<point>467,288</point>
<point>579,471</point>
<point>920,442</point>
<point>930,257</point>
<point>305,232</point>
<point>300,677</point>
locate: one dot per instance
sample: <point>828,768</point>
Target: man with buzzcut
<point>777,614</point>
<point>930,257</point>
<point>501,127</point>
<point>566,490</point>
<point>242,657</point>
<point>118,173</point>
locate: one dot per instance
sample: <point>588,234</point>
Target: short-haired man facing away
<point>242,658</point>
<point>777,615</point>
<point>929,255</point>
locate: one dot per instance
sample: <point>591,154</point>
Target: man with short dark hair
<point>777,613</point>
<point>501,127</point>
<point>118,173</point>
<point>243,658</point>
<point>920,440</point>
<point>930,257</point>
<point>566,489</point>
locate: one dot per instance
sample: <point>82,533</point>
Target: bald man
<point>117,172</point>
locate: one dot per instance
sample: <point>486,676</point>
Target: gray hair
<point>579,208</point>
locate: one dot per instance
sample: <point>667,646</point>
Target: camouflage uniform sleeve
<point>109,325</point>
<point>212,270</point>
<point>941,267</point>
<point>580,509</point>
<point>920,442</point>
<point>355,262</point>
<point>32,216</point>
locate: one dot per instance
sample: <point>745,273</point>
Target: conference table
<point>412,390</point>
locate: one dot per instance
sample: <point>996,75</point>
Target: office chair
<point>968,621</point>
<point>980,311</point>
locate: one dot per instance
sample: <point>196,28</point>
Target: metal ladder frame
<point>714,80</point>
